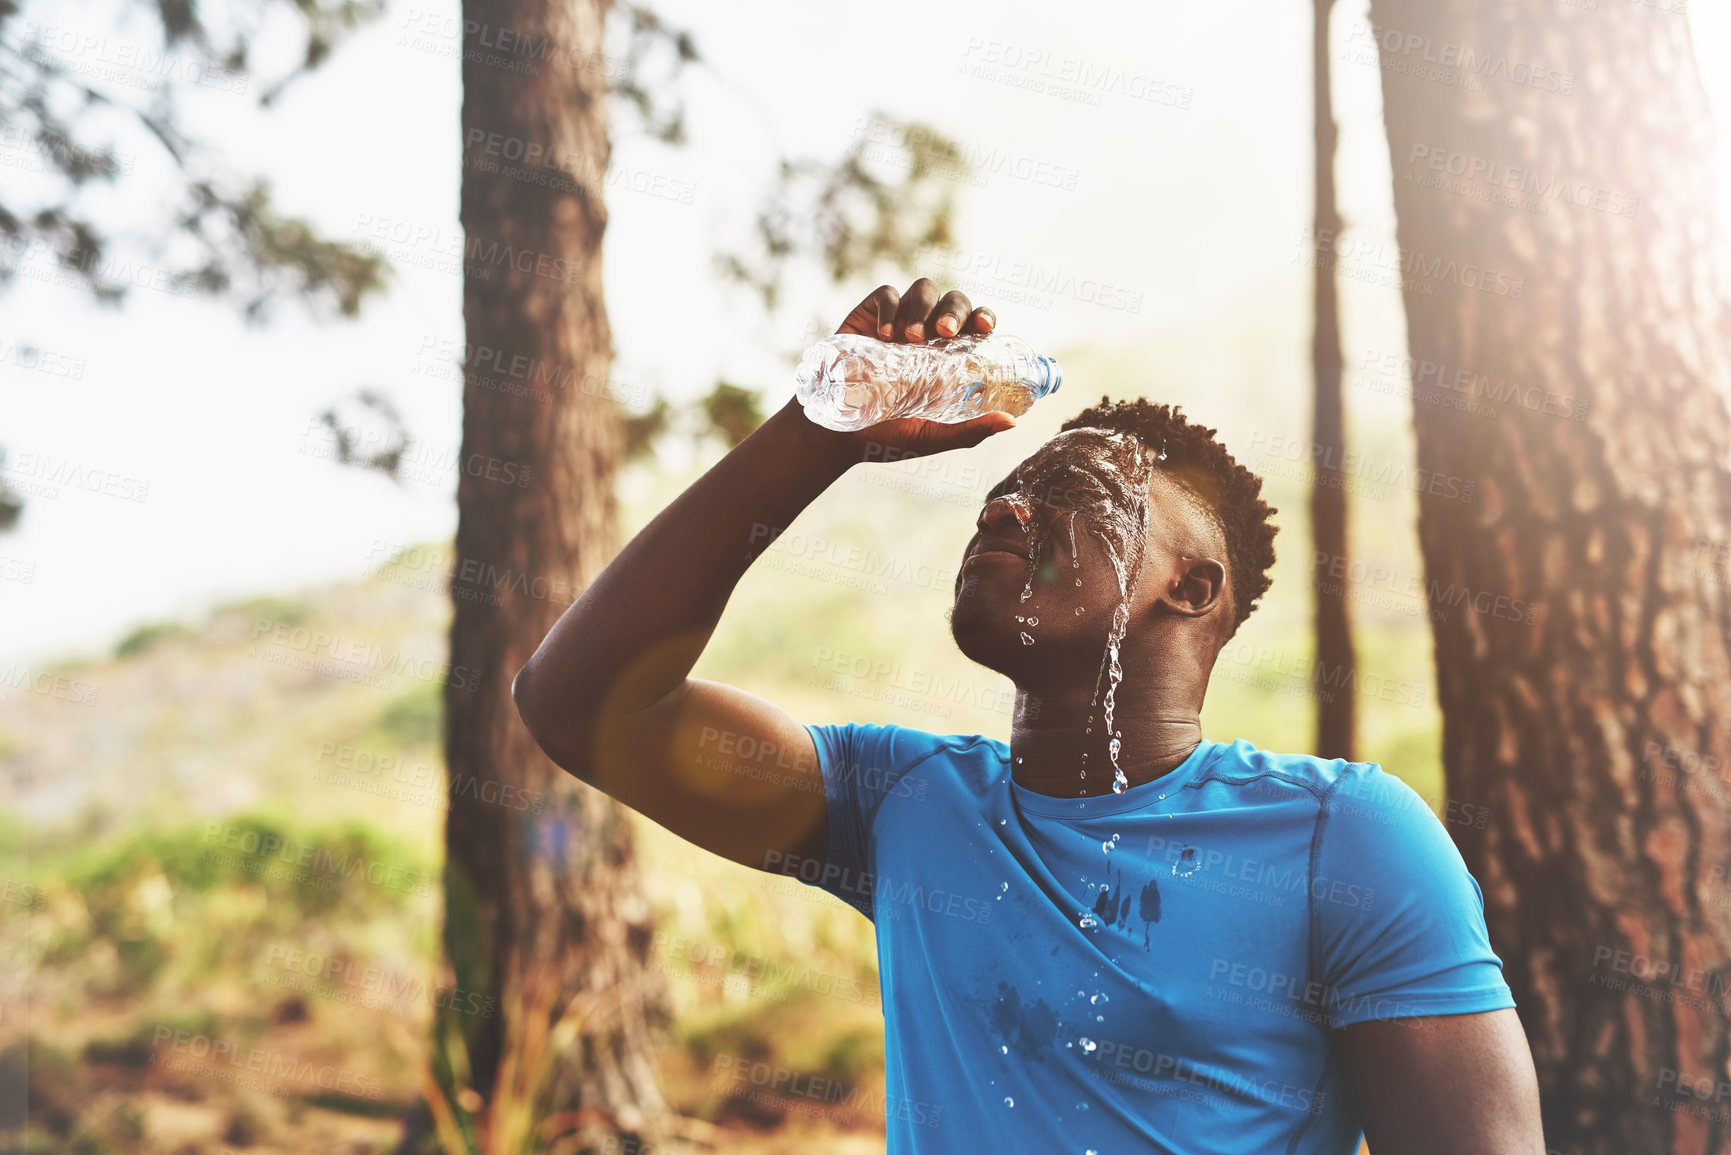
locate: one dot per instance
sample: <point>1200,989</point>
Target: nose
<point>1003,510</point>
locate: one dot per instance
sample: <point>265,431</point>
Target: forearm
<point>635,633</point>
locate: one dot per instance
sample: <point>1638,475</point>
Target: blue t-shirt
<point>1152,971</point>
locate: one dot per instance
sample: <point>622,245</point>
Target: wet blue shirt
<point>1157,970</point>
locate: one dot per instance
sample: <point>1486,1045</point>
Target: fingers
<point>875,316</point>
<point>921,314</point>
<point>950,315</point>
<point>981,320</point>
<point>917,305</point>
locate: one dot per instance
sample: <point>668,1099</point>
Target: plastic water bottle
<point>850,381</point>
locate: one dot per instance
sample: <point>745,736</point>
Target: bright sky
<point>198,424</point>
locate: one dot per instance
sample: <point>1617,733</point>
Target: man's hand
<point>921,314</point>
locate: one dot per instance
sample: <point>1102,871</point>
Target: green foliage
<point>279,610</point>
<point>732,412</point>
<point>413,718</point>
<point>642,430</point>
<point>151,634</point>
<point>852,218</point>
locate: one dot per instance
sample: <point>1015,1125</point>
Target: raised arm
<point>608,695</point>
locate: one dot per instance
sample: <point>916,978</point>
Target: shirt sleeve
<point>862,765</point>
<point>1398,921</point>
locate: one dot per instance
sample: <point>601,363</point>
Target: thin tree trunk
<point>1335,702</point>
<point>1582,662</point>
<point>548,893</point>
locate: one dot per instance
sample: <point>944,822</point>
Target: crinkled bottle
<point>850,381</point>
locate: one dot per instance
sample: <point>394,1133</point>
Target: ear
<point>1195,588</point>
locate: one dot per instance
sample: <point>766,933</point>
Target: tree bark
<point>1335,702</point>
<point>1578,589</point>
<point>538,891</point>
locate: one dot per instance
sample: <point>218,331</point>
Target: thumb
<point>969,433</point>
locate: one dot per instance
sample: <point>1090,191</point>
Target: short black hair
<point>1198,462</point>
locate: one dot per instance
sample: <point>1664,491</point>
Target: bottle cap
<point>1052,376</point>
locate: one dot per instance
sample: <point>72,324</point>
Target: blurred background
<point>236,369</point>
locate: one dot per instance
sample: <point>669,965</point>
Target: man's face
<point>1056,547</point>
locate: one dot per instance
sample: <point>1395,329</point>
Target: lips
<point>996,552</point>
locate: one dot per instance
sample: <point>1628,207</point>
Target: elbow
<point>547,725</point>
<point>526,695</point>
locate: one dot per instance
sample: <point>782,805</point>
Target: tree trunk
<point>537,892</point>
<point>1335,701</point>
<point>1581,650</point>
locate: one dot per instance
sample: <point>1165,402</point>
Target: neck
<point>1056,736</point>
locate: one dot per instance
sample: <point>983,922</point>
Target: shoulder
<point>877,748</point>
<point>1273,776</point>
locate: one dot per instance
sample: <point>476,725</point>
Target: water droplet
<point>1087,921</point>
<point>1099,998</point>
<point>1003,886</point>
<point>1083,1106</point>
<point>1099,1018</point>
<point>1033,621</point>
<point>1078,585</point>
<point>1119,782</point>
<point>1003,1050</point>
<point>1186,864</point>
<point>1027,638</point>
<point>1108,847</point>
<point>1078,611</point>
<point>1087,1044</point>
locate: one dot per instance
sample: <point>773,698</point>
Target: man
<point>1109,935</point>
